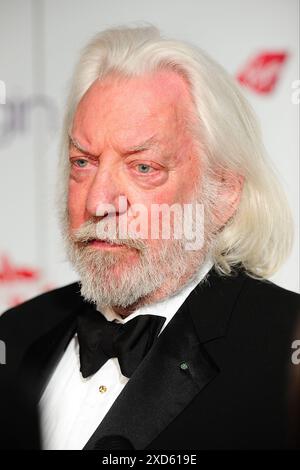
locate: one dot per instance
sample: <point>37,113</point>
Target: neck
<point>166,290</point>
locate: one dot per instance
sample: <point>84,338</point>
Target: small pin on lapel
<point>184,366</point>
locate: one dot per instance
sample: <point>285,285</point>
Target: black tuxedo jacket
<point>239,390</point>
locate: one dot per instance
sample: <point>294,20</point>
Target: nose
<point>105,194</point>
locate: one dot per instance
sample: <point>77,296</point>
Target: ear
<point>230,185</point>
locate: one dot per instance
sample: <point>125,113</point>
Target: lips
<point>103,244</point>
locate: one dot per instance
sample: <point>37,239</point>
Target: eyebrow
<point>77,145</point>
<point>146,145</point>
<point>143,146</point>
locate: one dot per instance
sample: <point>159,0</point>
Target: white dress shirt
<point>72,407</point>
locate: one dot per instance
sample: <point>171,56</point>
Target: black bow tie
<point>100,340</point>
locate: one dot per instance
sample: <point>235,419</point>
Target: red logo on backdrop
<point>10,272</point>
<point>19,283</point>
<point>262,72</point>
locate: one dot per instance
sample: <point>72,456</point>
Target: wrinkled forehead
<point>134,108</point>
<point>161,88</point>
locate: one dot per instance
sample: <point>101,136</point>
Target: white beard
<point>168,260</point>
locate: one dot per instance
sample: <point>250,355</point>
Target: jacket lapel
<point>44,353</point>
<point>212,302</point>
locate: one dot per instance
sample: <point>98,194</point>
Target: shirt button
<point>102,389</point>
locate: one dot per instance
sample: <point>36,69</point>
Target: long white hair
<point>259,235</point>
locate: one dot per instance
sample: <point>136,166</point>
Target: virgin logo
<point>262,72</point>
<point>11,273</point>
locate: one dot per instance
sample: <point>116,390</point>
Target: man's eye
<point>80,162</point>
<point>143,168</point>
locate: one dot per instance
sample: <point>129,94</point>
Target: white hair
<point>259,235</point>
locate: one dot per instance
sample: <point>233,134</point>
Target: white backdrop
<point>40,42</point>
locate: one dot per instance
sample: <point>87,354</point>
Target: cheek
<point>149,220</point>
<point>188,182</point>
<point>180,191</point>
<point>76,203</point>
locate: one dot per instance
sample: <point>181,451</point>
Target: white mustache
<point>89,231</point>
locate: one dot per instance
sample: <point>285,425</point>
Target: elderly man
<point>173,219</point>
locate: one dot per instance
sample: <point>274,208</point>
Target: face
<point>129,140</point>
